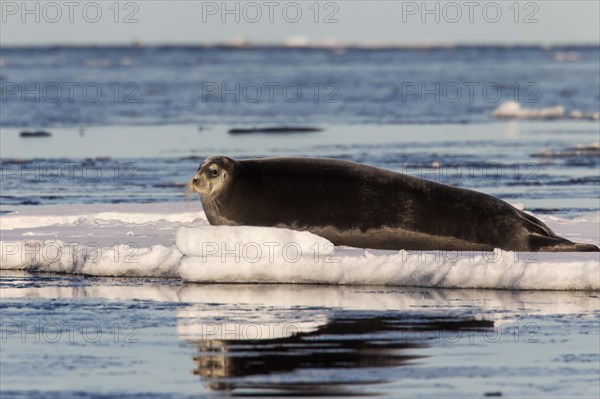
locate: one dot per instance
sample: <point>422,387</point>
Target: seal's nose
<point>195,180</point>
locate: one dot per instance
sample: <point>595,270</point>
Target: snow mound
<point>251,242</point>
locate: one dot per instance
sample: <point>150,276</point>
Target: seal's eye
<point>214,172</point>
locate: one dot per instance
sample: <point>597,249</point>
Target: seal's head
<point>212,176</point>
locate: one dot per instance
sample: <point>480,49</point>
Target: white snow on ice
<point>175,240</point>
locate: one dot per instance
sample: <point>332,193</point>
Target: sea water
<point>113,172</point>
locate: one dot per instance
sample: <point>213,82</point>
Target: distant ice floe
<point>174,241</point>
<point>577,151</point>
<point>514,110</point>
<point>567,56</point>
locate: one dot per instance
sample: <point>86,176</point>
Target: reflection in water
<point>349,335</point>
<point>331,360</point>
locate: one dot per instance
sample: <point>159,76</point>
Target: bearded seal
<point>367,207</point>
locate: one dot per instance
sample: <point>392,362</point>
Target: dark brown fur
<point>363,206</point>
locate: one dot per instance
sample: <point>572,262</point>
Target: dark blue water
<point>124,127</point>
<point>50,87</point>
<point>550,167</point>
<point>154,113</point>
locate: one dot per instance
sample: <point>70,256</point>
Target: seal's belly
<point>395,238</point>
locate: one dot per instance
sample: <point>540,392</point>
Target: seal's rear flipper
<point>586,248</point>
<point>558,244</point>
<point>536,226</point>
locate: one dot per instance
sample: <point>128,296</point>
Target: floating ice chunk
<point>567,56</point>
<point>491,270</point>
<point>38,255</point>
<point>56,256</point>
<point>513,109</point>
<point>169,244</point>
<point>127,260</point>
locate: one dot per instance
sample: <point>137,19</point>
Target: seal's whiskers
<point>215,203</point>
<point>188,191</point>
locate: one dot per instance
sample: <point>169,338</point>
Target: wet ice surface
<point>161,338</point>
